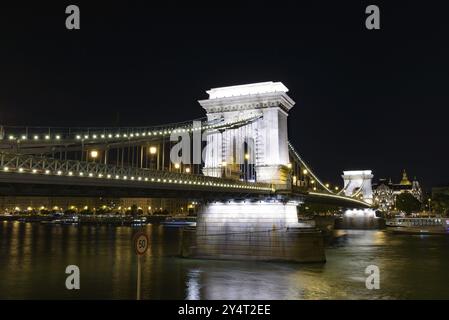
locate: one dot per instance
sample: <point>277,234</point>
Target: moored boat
<point>418,225</point>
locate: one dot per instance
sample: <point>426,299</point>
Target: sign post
<point>141,244</point>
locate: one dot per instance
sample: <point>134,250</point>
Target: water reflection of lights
<point>243,280</point>
<point>380,238</point>
<point>193,286</point>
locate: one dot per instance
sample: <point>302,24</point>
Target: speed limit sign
<point>141,243</point>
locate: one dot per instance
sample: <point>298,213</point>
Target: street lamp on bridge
<point>94,154</point>
<point>153,151</point>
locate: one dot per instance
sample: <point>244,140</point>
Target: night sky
<point>365,99</point>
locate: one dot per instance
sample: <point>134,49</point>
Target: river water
<point>33,259</point>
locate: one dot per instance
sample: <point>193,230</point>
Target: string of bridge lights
<point>160,133</point>
<point>326,186</point>
<point>307,169</point>
<point>128,135</point>
<point>332,195</point>
<point>135,134</point>
<point>184,181</point>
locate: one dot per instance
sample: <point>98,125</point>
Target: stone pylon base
<point>252,231</point>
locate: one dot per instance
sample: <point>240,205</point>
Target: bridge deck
<point>17,171</point>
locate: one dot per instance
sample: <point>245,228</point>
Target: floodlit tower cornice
<point>246,89</point>
<point>248,96</point>
<point>358,173</point>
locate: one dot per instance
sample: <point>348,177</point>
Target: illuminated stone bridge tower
<point>254,229</point>
<point>263,141</point>
<point>359,183</point>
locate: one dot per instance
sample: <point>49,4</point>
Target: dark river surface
<point>33,259</point>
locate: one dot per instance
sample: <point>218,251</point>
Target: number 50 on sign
<point>141,243</point>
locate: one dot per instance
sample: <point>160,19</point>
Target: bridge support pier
<point>262,230</point>
<point>360,219</point>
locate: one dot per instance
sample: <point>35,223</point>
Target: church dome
<point>405,181</point>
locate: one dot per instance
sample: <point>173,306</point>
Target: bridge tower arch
<point>267,104</point>
<point>359,183</point>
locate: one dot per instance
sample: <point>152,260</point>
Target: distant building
<point>11,204</point>
<point>385,192</point>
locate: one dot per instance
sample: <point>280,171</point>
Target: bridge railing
<point>26,164</point>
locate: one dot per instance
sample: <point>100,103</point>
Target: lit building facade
<point>172,206</point>
<point>385,192</point>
